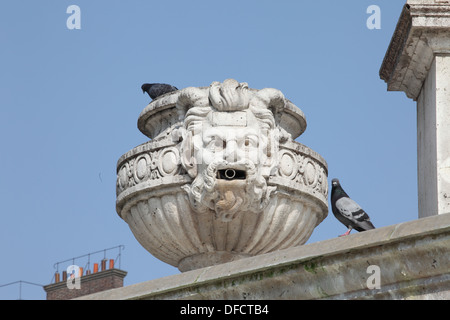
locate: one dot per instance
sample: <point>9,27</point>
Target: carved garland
<point>150,165</point>
<point>155,164</point>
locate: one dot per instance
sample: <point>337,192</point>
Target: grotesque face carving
<point>229,145</point>
<point>233,137</point>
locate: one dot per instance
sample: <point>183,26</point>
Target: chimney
<point>91,282</point>
<point>103,264</point>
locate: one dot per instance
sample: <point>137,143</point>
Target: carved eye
<point>219,143</point>
<point>224,144</point>
<point>251,141</point>
<point>215,143</point>
<point>211,145</point>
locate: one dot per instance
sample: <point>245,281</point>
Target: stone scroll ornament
<point>221,178</point>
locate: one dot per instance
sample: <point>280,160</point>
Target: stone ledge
<point>422,31</point>
<point>413,259</point>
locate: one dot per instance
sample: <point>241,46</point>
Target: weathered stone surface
<point>222,177</point>
<point>418,63</point>
<point>412,257</point>
<point>423,30</point>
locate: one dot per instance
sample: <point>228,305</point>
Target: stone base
<point>409,260</point>
<point>209,259</point>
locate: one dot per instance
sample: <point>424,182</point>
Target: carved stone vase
<point>222,177</point>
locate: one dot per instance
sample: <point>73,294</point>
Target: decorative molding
<point>423,31</point>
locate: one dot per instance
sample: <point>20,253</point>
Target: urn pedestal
<point>221,178</point>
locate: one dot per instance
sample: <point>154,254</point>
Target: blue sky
<point>70,99</point>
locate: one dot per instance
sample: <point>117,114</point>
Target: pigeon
<point>155,90</point>
<point>348,211</point>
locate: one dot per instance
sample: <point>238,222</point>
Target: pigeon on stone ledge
<point>155,90</point>
<point>348,211</point>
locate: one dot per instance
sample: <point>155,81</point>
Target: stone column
<point>418,63</point>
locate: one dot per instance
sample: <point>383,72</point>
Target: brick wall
<point>91,283</point>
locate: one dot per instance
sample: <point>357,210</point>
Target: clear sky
<point>70,99</point>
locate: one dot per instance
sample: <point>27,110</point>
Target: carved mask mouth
<point>228,188</point>
<point>231,174</point>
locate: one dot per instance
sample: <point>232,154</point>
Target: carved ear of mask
<point>189,98</point>
<point>271,162</point>
<point>274,101</point>
<point>187,153</point>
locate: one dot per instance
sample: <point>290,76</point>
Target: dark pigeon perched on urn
<point>347,211</point>
<point>155,90</point>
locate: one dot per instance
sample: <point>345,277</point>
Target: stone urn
<point>221,178</point>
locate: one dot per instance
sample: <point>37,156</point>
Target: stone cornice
<point>396,45</point>
<point>423,30</point>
